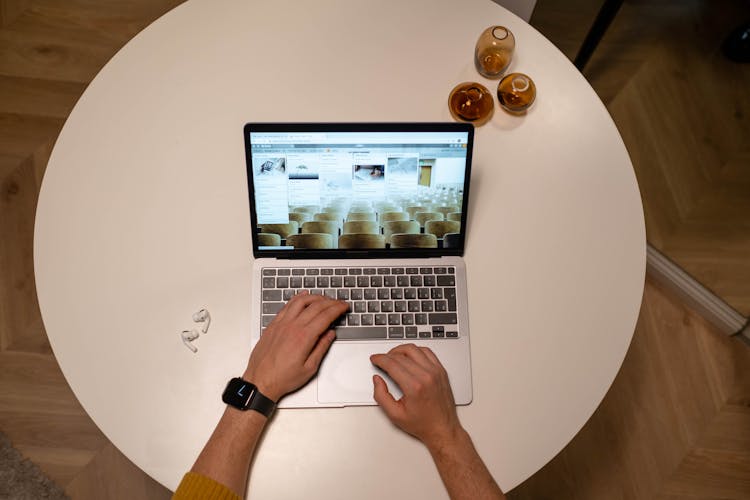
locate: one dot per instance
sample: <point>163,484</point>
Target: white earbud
<point>187,337</point>
<point>202,316</point>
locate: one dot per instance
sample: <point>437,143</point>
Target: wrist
<point>446,439</point>
<point>265,387</point>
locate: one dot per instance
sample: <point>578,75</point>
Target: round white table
<point>143,219</point>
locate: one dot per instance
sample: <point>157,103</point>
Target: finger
<point>385,399</point>
<point>395,368</point>
<point>297,304</point>
<point>414,354</point>
<point>431,356</point>
<point>313,310</point>
<point>318,317</point>
<point>320,350</point>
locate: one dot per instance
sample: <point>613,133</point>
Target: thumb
<point>384,398</point>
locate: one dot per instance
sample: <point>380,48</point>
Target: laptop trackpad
<point>346,374</point>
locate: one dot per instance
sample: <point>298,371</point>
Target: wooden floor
<point>675,424</point>
<point>684,113</point>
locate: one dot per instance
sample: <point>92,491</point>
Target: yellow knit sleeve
<point>195,486</point>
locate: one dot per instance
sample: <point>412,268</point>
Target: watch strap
<point>261,403</point>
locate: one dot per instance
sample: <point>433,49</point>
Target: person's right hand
<point>427,409</point>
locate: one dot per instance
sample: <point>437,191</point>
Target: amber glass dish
<point>471,102</point>
<point>516,93</point>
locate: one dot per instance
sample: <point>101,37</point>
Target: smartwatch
<point>245,396</point>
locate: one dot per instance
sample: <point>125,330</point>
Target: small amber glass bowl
<point>471,102</point>
<point>516,92</point>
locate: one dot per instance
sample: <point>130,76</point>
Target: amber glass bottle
<point>494,51</point>
<point>516,92</point>
<point>471,102</point>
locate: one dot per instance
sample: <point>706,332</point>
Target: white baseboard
<point>697,296</point>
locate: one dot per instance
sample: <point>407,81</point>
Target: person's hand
<point>427,409</point>
<point>290,350</point>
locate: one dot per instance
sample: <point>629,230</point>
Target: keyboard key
<point>410,293</point>
<point>355,271</point>
<point>269,282</point>
<point>384,270</point>
<point>423,293</point>
<point>309,281</point>
<point>339,271</point>
<point>450,295</point>
<point>266,320</point>
<point>369,270</point>
<point>381,319</point>
<point>429,280</point>
<point>326,272</point>
<point>361,332</point>
<point>428,306</point>
<point>397,270</point>
<point>444,318</point>
<point>330,293</point>
<point>316,291</point>
<point>438,335</point>
<point>363,281</point>
<point>370,294</point>
<point>415,281</point>
<point>271,295</point>
<point>425,270</point>
<point>412,270</point>
<point>402,281</point>
<point>324,281</point>
<point>438,329</point>
<point>350,281</point>
<point>411,332</point>
<point>285,272</point>
<point>272,307</point>
<point>451,270</point>
<point>397,293</point>
<point>440,270</point>
<point>298,272</point>
<point>394,319</point>
<point>282,282</point>
<point>425,335</point>
<point>288,294</point>
<point>451,335</point>
<point>386,306</point>
<point>420,319</point>
<point>356,294</point>
<point>269,272</point>
<point>407,319</point>
<point>414,306</point>
<point>395,332</point>
<point>441,305</point>
<point>373,306</point>
<point>312,272</point>
<point>446,280</point>
<point>342,294</point>
<point>389,281</point>
<point>399,306</point>
<point>352,319</point>
<point>295,282</point>
<point>360,306</point>
<point>384,293</point>
<point>376,281</point>
<point>366,319</point>
<point>336,282</point>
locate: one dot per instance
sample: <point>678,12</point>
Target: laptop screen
<point>358,189</point>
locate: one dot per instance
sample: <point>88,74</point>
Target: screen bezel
<point>338,253</point>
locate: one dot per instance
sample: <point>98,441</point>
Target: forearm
<point>462,470</point>
<point>227,455</point>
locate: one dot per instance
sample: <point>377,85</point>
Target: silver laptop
<point>373,214</point>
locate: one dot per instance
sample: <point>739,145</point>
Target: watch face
<point>238,393</point>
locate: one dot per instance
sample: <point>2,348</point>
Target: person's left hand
<point>290,350</point>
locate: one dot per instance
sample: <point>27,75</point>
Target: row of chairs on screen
<point>361,240</point>
<point>421,216</point>
<point>438,228</point>
<point>306,213</point>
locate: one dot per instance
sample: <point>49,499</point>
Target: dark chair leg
<point>603,19</point>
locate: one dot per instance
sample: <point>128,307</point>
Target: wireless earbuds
<point>202,316</point>
<point>188,336</point>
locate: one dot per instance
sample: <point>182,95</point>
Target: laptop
<point>373,214</point>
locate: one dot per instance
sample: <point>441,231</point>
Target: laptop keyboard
<point>384,302</point>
